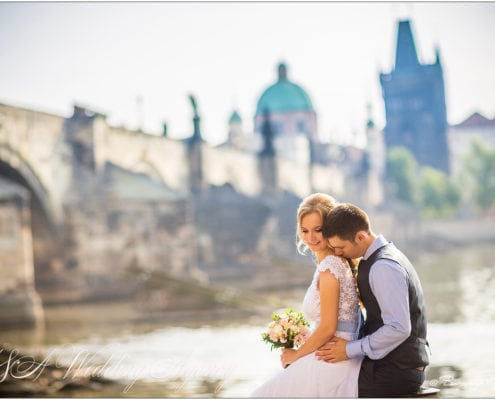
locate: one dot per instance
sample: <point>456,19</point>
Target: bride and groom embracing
<point>345,356</point>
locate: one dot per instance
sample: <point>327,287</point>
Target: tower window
<point>301,126</point>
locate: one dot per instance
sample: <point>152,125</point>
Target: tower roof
<point>406,57</point>
<point>235,117</point>
<point>476,120</point>
<point>284,95</point>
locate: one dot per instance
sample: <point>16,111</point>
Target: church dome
<point>284,96</point>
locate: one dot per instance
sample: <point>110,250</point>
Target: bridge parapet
<point>162,158</point>
<point>231,166</point>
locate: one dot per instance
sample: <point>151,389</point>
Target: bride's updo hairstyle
<point>315,203</point>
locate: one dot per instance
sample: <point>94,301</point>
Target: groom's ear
<point>361,237</point>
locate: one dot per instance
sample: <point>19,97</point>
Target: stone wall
<point>50,144</point>
<point>109,241</point>
<point>238,169</point>
<point>32,142</point>
<point>237,234</point>
<point>102,229</point>
<point>160,157</point>
<point>242,171</point>
<point>123,224</point>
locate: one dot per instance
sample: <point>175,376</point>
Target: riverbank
<point>23,374</point>
<point>452,281</point>
<point>230,360</point>
<point>457,232</point>
<point>413,235</point>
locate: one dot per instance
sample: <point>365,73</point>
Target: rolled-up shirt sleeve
<point>388,282</point>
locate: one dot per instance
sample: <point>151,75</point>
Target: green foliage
<point>439,196</point>
<point>401,169</point>
<point>433,192</point>
<point>479,171</point>
<point>426,188</point>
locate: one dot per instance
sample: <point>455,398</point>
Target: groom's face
<point>345,248</point>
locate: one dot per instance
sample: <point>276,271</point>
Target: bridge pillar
<point>20,304</point>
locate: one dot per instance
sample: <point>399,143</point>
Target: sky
<point>137,62</point>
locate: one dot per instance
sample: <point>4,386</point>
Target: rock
<point>21,374</point>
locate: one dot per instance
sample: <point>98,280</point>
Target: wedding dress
<point>308,376</point>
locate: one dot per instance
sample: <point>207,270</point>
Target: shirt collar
<point>380,241</point>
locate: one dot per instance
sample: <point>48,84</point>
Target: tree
<point>401,173</point>
<point>479,172</point>
<point>439,196</point>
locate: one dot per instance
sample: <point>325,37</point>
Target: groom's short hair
<point>345,221</point>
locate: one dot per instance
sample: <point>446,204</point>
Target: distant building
<point>236,136</point>
<point>292,117</point>
<point>376,155</point>
<point>461,135</point>
<point>415,107</point>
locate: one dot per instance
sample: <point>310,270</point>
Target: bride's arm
<point>329,308</point>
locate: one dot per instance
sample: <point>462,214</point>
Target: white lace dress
<point>308,376</point>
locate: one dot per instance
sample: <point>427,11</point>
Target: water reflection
<point>477,285</point>
<point>458,284</point>
<point>448,378</point>
<point>229,359</point>
<point>175,388</point>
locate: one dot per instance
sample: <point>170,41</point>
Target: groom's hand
<point>334,351</point>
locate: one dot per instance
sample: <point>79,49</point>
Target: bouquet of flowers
<point>288,329</point>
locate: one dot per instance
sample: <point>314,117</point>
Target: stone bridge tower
<point>415,107</point>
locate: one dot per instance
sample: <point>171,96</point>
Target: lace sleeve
<point>335,265</point>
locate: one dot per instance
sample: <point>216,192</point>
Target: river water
<point>229,359</point>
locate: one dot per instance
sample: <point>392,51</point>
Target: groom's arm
<point>388,282</point>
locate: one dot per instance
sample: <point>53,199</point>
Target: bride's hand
<point>287,357</point>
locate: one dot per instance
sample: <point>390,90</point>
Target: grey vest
<point>412,352</point>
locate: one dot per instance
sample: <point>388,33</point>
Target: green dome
<point>284,96</point>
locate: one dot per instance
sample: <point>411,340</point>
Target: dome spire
<point>282,71</point>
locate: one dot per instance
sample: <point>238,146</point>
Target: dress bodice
<point>349,314</point>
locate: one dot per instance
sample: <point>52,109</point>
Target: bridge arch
<point>45,231</point>
<point>148,168</point>
<point>14,167</point>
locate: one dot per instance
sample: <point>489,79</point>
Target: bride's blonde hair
<point>320,203</point>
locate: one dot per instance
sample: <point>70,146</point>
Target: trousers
<point>383,379</point>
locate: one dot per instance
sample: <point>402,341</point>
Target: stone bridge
<point>76,186</point>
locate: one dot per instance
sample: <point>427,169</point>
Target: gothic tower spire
<point>406,57</point>
<point>415,107</point>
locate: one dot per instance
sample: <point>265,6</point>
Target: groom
<point>393,338</point>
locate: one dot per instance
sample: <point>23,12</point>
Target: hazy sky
<point>107,55</point>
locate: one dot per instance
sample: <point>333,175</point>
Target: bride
<point>331,302</point>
